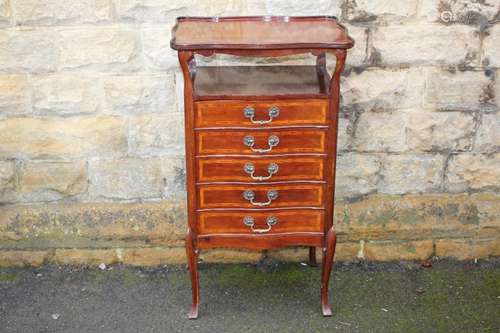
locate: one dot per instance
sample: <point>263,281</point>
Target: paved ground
<point>270,297</point>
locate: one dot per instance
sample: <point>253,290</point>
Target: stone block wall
<point>91,139</point>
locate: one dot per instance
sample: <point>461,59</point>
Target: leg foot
<point>193,273</point>
<point>328,253</point>
<point>312,256</point>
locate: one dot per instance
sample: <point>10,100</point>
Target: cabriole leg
<point>192,259</point>
<point>328,253</point>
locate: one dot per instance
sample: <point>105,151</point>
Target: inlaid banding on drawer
<point>255,169</point>
<point>260,196</point>
<point>285,221</point>
<point>258,113</point>
<point>260,142</point>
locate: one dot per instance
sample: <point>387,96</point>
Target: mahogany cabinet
<point>261,141</point>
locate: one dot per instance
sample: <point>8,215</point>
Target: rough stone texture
<point>152,10</point>
<point>147,134</point>
<point>156,47</point>
<point>356,175</point>
<point>380,132</point>
<point>382,89</point>
<point>14,95</point>
<point>357,55</point>
<point>49,181</point>
<point>61,138</point>
<point>411,173</point>
<point>87,257</point>
<point>153,256</point>
<point>467,249</point>
<point>233,256</point>
<point>440,131</point>
<point>125,179</point>
<point>292,7</point>
<point>16,51</point>
<point>24,258</point>
<point>106,49</point>
<point>139,94</point>
<point>48,12</point>
<point>459,11</point>
<point>473,172</point>
<point>426,44</point>
<point>488,133</point>
<point>5,13</point>
<point>366,10</point>
<point>454,90</point>
<point>66,94</point>
<point>388,251</point>
<point>491,47</point>
<point>8,181</point>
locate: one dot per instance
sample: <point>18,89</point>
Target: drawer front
<point>260,196</point>
<point>258,113</point>
<point>260,169</point>
<point>260,222</point>
<point>261,142</point>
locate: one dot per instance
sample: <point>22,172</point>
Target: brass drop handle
<point>272,141</point>
<point>249,112</point>
<point>249,221</point>
<point>272,168</point>
<point>250,196</point>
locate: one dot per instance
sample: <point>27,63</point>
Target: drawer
<point>259,113</point>
<point>259,222</point>
<point>261,142</point>
<point>259,169</point>
<point>260,196</point>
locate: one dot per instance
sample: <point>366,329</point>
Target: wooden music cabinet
<point>261,141</point>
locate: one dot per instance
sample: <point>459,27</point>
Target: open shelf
<point>260,82</point>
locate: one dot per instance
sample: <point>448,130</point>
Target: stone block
<point>357,56</point>
<point>459,11</point>
<point>473,172</point>
<point>426,44</point>
<point>295,7</point>
<point>153,10</point>
<point>62,137</point>
<point>14,95</point>
<point>66,94</point>
<point>51,12</point>
<point>491,47</point>
<point>23,258</point>
<point>156,48</point>
<point>87,225</point>
<point>102,48</point>
<point>126,178</point>
<point>174,177</point>
<point>156,134</point>
<point>230,256</point>
<point>5,13</point>
<point>49,181</point>
<point>411,173</point>
<point>357,174</point>
<point>440,131</point>
<point>8,181</point>
<point>379,89</point>
<point>463,249</point>
<point>86,257</point>
<point>139,94</point>
<point>153,256</point>
<point>380,132</point>
<point>488,134</point>
<point>391,251</point>
<point>17,55</point>
<point>367,11</point>
<point>454,90</point>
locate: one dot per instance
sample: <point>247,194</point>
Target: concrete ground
<point>269,297</point>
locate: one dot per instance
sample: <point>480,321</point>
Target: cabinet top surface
<point>259,33</point>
